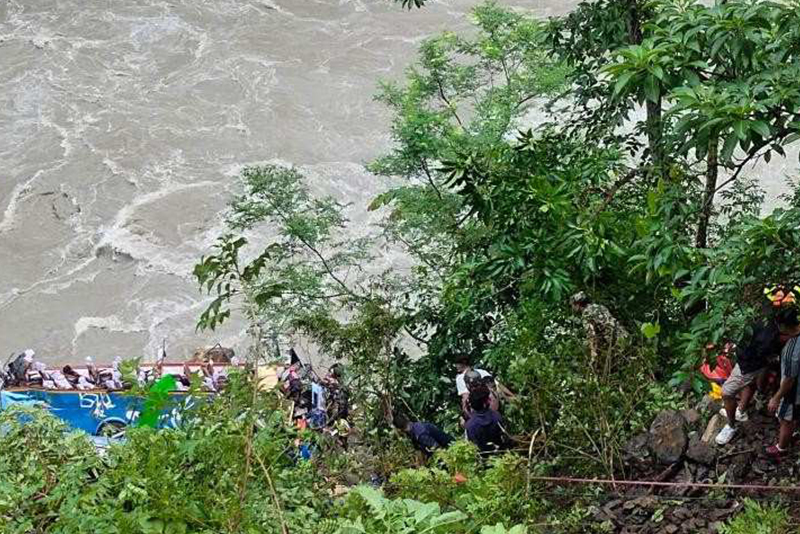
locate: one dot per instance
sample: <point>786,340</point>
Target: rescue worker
<point>603,330</point>
<point>338,398</point>
<point>484,427</point>
<point>426,437</point>
<point>463,367</point>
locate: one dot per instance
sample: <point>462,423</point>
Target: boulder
<point>715,424</point>
<point>738,468</point>
<point>691,416</point>
<point>637,448</point>
<point>708,405</point>
<point>668,437</point>
<point>701,452</point>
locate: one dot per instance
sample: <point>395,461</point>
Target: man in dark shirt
<point>426,437</point>
<point>484,427</point>
<point>752,359</point>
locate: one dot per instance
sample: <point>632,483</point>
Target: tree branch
<point>317,253</point>
<point>415,337</point>
<point>782,132</point>
<point>427,172</point>
<point>619,184</point>
<point>450,106</point>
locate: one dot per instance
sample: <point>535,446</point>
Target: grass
<point>758,518</point>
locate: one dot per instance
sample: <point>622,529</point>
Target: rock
<point>685,386</point>
<point>681,513</point>
<point>668,437</point>
<point>609,507</point>
<point>701,452</point>
<point>697,523</point>
<point>640,504</point>
<point>738,468</point>
<point>637,448</point>
<point>628,506</point>
<point>671,529</point>
<point>715,424</point>
<point>647,502</point>
<point>707,404</point>
<point>763,467</point>
<point>691,416</point>
<point>716,526</point>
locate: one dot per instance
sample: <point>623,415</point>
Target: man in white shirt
<point>463,366</point>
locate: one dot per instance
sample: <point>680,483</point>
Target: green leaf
<point>650,330</point>
<point>741,127</point>
<point>729,146</point>
<point>761,127</point>
<point>658,72</point>
<point>622,82</point>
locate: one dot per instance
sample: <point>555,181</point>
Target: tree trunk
<point>634,22</point>
<point>655,136</point>
<point>712,172</point>
<point>654,124</point>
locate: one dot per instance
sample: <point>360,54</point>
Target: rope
<point>566,480</point>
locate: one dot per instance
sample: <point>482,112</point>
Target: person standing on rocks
<point>752,358</point>
<point>786,402</point>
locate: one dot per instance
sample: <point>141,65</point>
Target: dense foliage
<point>503,221</point>
<point>234,467</point>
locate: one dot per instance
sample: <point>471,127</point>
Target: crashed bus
<point>95,400</point>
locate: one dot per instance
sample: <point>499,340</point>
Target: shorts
<point>788,411</point>
<point>738,381</point>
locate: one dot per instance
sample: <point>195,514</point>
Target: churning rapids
<point>124,124</point>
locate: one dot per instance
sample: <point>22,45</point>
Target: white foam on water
<point>147,31</point>
<point>119,239</point>
<point>111,323</point>
<point>17,195</point>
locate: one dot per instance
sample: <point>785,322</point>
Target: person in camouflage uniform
<point>603,330</point>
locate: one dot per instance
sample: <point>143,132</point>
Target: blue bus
<point>97,412</point>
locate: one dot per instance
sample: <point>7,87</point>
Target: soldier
<point>603,331</point>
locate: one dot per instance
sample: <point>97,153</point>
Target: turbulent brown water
<point>123,124</point>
